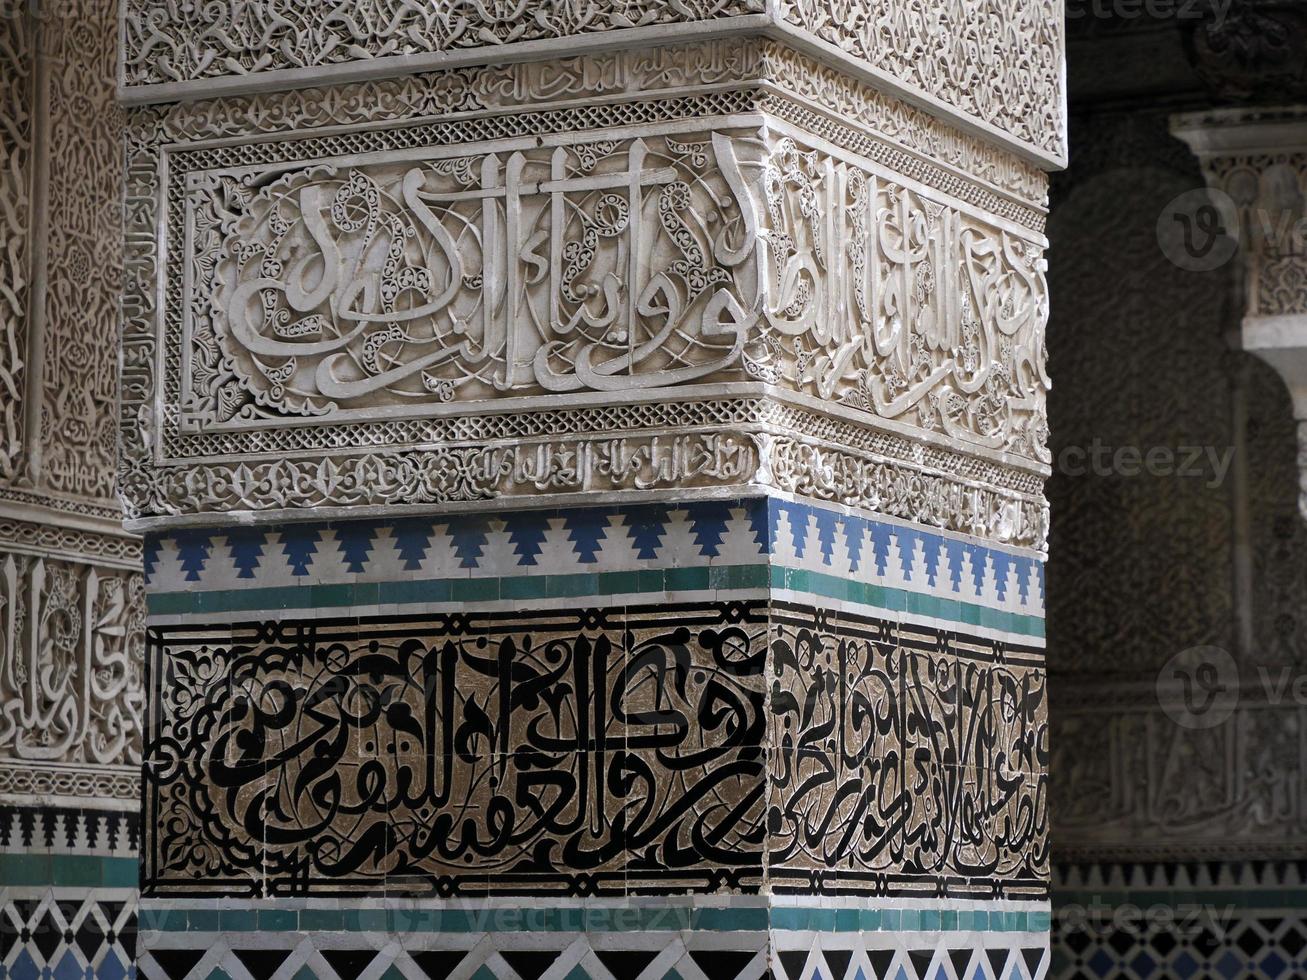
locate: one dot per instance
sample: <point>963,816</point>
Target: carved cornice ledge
<point>1255,164</point>
<point>993,68</point>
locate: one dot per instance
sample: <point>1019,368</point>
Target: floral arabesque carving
<point>997,61</point>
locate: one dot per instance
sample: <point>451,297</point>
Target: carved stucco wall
<point>72,607</point>
<point>701,242</point>
<point>1145,567</point>
<point>71,612</point>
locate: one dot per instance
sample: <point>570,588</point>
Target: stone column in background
<point>591,464</point>
<point>1255,163</point>
<point>72,606</point>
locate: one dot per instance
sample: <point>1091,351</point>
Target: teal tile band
<point>593,919</point>
<point>720,578</point>
<point>34,869</point>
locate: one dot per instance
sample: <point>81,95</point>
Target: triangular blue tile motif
<point>956,553</point>
<point>526,532</point>
<point>245,547</point>
<point>469,536</point>
<point>299,543</point>
<point>110,967</point>
<point>150,554</point>
<point>24,967</point>
<point>68,968</point>
<point>1023,578</point>
<point>797,518</point>
<point>978,563</point>
<point>880,540</point>
<point>193,552</point>
<point>708,523</point>
<point>586,529</point>
<point>854,529</point>
<point>826,521</point>
<point>1002,563</point>
<point>907,539</point>
<point>773,525</point>
<point>354,541</point>
<point>645,526</point>
<point>412,540</point>
<point>931,545</point>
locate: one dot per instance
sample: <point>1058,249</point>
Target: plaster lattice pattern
<point>628,264</point>
<point>16,42</point>
<point>83,265</point>
<point>609,751</point>
<point>994,61</point>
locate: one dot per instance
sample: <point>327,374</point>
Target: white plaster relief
<point>72,607</point>
<point>356,302</point>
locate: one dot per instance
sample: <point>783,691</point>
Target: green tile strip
<point>617,919</point>
<point>37,869</point>
<point>526,587</point>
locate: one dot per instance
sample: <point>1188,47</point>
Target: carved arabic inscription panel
<point>432,280</point>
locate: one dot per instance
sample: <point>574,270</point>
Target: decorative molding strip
<point>992,67</point>
<point>689,955</point>
<point>70,543</point>
<point>32,782</point>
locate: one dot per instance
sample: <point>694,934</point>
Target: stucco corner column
<point>591,470</point>
<point>1255,164</point>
